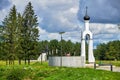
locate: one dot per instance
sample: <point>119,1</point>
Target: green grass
<point>116,63</point>
<point>36,71</point>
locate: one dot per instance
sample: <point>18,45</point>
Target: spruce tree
<point>1,42</point>
<point>30,32</point>
<point>10,26</point>
<point>19,49</point>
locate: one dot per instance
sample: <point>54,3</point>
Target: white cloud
<point>54,36</point>
<point>99,28</point>
<point>61,15</point>
<point>58,13</point>
<point>2,15</point>
<point>74,10</point>
<point>41,31</point>
<point>52,13</point>
<point>104,33</point>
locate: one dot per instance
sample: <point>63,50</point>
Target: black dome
<point>86,17</point>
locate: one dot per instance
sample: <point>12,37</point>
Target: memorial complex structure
<point>78,61</point>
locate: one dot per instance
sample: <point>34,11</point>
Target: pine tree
<point>30,32</point>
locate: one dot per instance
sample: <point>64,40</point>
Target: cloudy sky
<point>55,16</point>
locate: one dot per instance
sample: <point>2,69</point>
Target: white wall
<point>42,57</point>
<point>71,61</point>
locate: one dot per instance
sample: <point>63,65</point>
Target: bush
<point>15,74</point>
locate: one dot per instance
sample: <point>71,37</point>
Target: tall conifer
<point>10,26</point>
<point>30,32</point>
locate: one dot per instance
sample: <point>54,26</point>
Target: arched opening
<point>87,38</point>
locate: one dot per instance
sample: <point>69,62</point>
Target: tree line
<point>55,48</point>
<point>108,51</point>
<point>104,51</point>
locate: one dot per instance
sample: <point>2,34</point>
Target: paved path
<point>115,69</point>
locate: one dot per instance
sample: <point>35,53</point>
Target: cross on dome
<point>86,17</point>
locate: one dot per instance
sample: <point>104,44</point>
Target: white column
<point>91,58</point>
<point>86,25</point>
<point>83,49</point>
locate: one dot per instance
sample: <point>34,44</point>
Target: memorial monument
<point>87,33</point>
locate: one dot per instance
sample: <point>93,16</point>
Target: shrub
<point>15,74</point>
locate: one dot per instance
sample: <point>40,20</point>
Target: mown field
<point>38,71</point>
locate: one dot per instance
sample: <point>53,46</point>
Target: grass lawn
<point>38,71</point>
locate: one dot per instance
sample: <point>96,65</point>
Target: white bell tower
<point>87,33</point>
